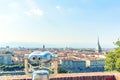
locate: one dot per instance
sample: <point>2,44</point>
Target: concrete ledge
<point>73,76</point>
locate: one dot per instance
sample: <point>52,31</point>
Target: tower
<point>98,47</point>
<point>43,47</point>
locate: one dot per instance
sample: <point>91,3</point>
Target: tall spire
<point>43,47</point>
<point>98,47</point>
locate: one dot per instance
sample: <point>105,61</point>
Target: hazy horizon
<point>49,45</point>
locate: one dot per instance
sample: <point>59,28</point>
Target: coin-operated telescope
<point>41,57</point>
<point>45,61</point>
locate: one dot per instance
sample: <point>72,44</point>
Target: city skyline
<point>59,22</point>
<point>40,45</point>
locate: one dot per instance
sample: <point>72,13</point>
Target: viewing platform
<point>71,76</point>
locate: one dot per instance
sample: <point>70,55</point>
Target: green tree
<point>62,70</point>
<point>117,43</point>
<point>12,67</point>
<point>112,62</point>
<point>8,52</point>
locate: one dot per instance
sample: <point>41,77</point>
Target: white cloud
<point>58,8</point>
<point>5,18</point>
<point>35,11</point>
<point>28,13</point>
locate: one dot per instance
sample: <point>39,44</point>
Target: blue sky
<point>74,23</point>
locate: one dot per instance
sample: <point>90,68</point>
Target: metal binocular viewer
<point>39,64</point>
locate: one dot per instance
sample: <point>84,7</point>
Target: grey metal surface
<point>40,75</point>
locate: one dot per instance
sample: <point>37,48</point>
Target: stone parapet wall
<point>73,76</point>
<point>86,78</point>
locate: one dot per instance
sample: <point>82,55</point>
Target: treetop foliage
<point>117,43</point>
<point>112,62</point>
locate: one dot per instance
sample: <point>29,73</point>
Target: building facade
<point>74,65</point>
<point>6,59</point>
